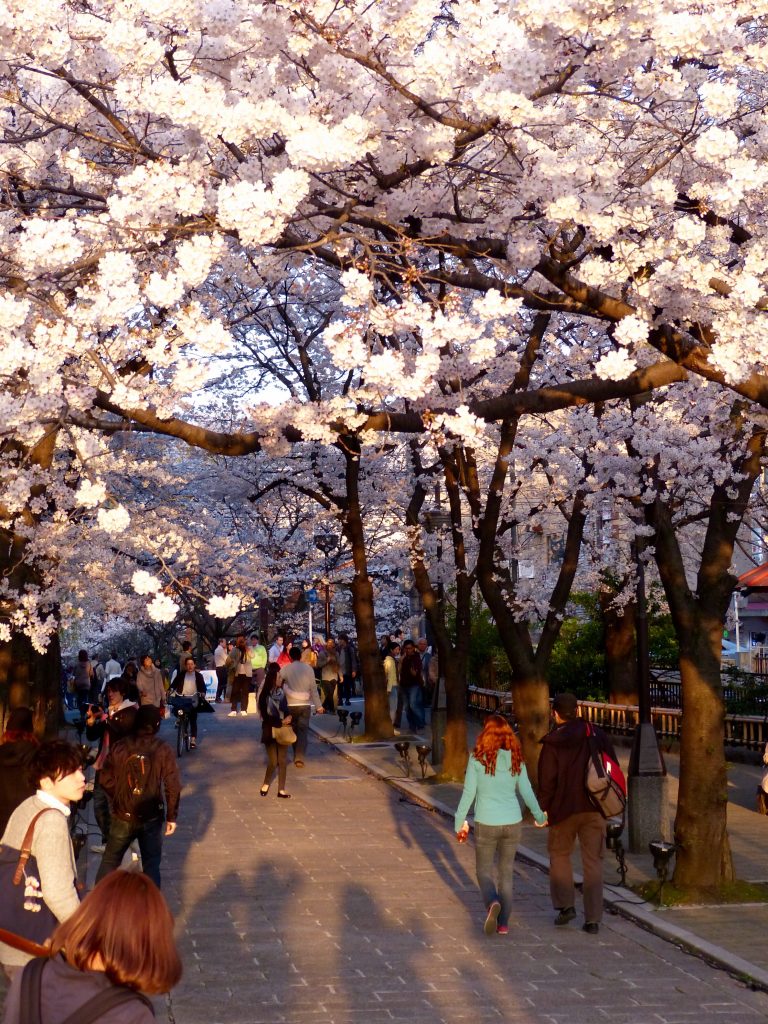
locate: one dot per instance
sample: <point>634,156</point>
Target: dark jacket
<point>162,775</point>
<point>271,721</point>
<point>410,670</point>
<point>15,786</point>
<point>178,683</point>
<point>64,990</point>
<point>563,767</point>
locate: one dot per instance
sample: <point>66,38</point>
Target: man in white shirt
<point>113,668</point>
<point>220,664</point>
<point>277,648</point>
<point>300,689</point>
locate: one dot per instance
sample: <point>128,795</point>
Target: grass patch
<point>732,892</point>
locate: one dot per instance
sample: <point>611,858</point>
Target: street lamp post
<point>435,521</point>
<point>648,813</point>
<point>326,542</point>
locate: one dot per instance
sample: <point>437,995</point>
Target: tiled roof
<point>757,577</point>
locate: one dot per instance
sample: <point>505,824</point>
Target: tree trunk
<point>703,854</point>
<point>32,679</point>
<point>704,857</point>
<point>453,652</point>
<point>530,696</point>
<point>455,754</point>
<point>620,650</point>
<point>378,723</point>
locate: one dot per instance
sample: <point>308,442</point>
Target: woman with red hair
<point>496,781</point>
<point>117,947</point>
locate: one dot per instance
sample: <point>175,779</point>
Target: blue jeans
<point>490,840</point>
<point>101,810</point>
<point>413,705</point>
<point>121,835</point>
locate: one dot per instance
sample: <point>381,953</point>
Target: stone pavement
<point>731,936</point>
<point>352,902</point>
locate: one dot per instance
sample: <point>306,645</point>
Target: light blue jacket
<point>497,796</point>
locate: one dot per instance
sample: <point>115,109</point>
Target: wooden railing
<point>747,731</point>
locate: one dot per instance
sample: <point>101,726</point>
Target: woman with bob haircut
<point>496,781</point>
<point>120,940</point>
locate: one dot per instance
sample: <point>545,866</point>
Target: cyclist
<point>187,688</point>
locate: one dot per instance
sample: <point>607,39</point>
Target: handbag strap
<point>594,752</point>
<point>22,944</point>
<point>31,982</point>
<point>26,845</point>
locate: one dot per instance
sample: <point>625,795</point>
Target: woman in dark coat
<point>17,745</point>
<point>273,708</point>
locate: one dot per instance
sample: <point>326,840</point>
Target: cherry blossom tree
<point>453,170</point>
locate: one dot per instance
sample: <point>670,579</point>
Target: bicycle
<point>183,733</point>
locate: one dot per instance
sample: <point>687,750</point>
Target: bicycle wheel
<point>180,734</point>
<point>186,732</point>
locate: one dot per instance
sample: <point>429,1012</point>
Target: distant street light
<point>648,814</point>
<point>435,521</point>
<point>326,542</point>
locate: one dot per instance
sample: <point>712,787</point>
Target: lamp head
<point>423,750</point>
<point>613,832</point>
<point>355,717</point>
<point>662,852</point>
<point>343,715</point>
<point>402,747</point>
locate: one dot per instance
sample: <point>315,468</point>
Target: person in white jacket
<point>56,770</point>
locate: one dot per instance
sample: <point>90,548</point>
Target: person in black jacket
<point>142,779</point>
<point>563,795</point>
<point>188,688</point>
<point>107,725</point>
<point>274,711</point>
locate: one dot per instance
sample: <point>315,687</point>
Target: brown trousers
<point>589,828</point>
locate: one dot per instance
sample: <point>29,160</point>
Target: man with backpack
<point>563,794</point>
<point>141,778</point>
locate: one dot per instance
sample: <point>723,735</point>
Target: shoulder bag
<point>284,735</point>
<point>604,780</point>
<point>23,910</point>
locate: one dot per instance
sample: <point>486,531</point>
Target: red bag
<point>605,782</point>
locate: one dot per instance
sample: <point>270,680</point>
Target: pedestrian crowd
<point>120,937</point>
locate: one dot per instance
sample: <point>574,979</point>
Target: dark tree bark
<point>453,650</point>
<point>378,723</point>
<point>620,649</point>
<point>30,678</point>
<point>26,675</point>
<point>704,856</point>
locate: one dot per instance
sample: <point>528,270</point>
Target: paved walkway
<point>350,902</point>
<point>733,936</point>
<point>353,902</point>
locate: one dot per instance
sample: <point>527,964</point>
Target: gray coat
<point>52,849</point>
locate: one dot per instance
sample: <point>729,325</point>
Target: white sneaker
<point>244,714</point>
<point>232,714</point>
<point>98,848</point>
